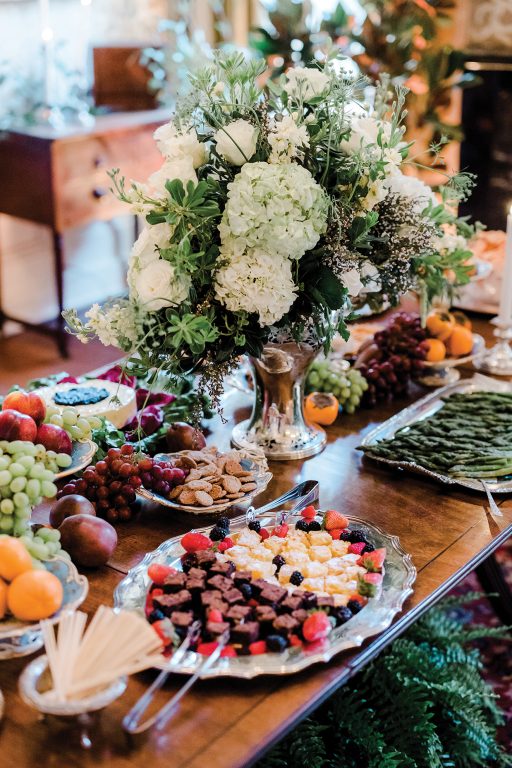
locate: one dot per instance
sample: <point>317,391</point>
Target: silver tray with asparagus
<point>460,434</point>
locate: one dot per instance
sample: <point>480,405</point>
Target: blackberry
<point>279,561</point>
<point>368,548</point>
<point>188,561</point>
<point>354,606</point>
<point>156,615</point>
<point>346,536</point>
<point>343,614</point>
<point>223,522</point>
<point>314,525</point>
<point>217,534</point>
<point>358,535</point>
<point>276,643</point>
<point>302,525</point>
<point>246,591</point>
<point>255,525</point>
<point>296,578</point>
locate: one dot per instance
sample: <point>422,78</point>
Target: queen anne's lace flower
<point>286,139</point>
<point>277,208</point>
<point>257,281</point>
<point>370,138</point>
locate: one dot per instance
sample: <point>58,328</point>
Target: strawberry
<point>264,534</point>
<point>228,542</point>
<point>280,530</point>
<point>369,583</point>
<point>148,606</point>
<point>357,548</point>
<point>193,542</point>
<point>333,519</point>
<point>214,615</point>
<point>258,647</point>
<point>155,591</point>
<point>158,572</point>
<point>373,561</point>
<point>228,652</point>
<point>336,533</point>
<point>205,649</point>
<point>164,630</point>
<point>295,641</point>
<point>308,513</point>
<point>316,626</point>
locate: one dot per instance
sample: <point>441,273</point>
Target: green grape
<point>6,506</point>
<point>48,534</point>
<point>5,492</point>
<point>5,524</point>
<point>5,477</point>
<point>17,470</point>
<point>37,549</point>
<point>57,420</point>
<point>75,433</point>
<point>19,528</point>
<point>94,422</point>
<point>84,425</point>
<point>314,379</point>
<point>349,408</point>
<point>26,461</point>
<point>18,484</point>
<point>49,489</point>
<point>4,462</point>
<point>33,490</point>
<point>21,501</point>
<point>51,454</point>
<point>345,393</point>
<point>64,460</point>
<point>37,470</point>
<point>47,475</point>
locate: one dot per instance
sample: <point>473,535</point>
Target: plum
<point>182,437</point>
<point>90,541</point>
<point>70,505</point>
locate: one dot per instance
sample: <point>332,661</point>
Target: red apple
<point>90,541</point>
<point>54,438</point>
<point>17,426</point>
<point>28,403</point>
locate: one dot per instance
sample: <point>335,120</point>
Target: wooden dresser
<point>58,177</point>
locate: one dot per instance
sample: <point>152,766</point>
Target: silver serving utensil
<point>131,721</point>
<point>303,494</point>
<point>495,510</point>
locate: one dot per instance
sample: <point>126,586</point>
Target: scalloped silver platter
<point>426,407</point>
<point>82,454</point>
<point>376,616</point>
<point>262,479</point>
<point>18,638</point>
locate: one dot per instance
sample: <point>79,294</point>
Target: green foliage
<point>421,704</point>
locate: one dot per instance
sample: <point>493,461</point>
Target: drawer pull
<point>99,192</point>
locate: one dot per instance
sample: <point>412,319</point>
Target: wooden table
<point>230,724</point>
<point>58,177</point>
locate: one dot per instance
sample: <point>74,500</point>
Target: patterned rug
<point>496,653</point>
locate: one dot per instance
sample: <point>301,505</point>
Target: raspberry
<point>295,641</point>
<point>334,519</point>
<point>264,534</point>
<point>206,649</point>
<point>258,647</point>
<point>194,542</point>
<point>316,626</point>
<point>158,572</point>
<point>255,525</point>
<point>228,542</point>
<point>157,591</point>
<point>280,530</point>
<point>222,546</point>
<point>308,513</point>
<point>357,548</point>
<point>214,615</point>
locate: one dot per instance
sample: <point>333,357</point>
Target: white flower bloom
<point>412,188</point>
<point>136,196</point>
<point>371,278</point>
<point>377,191</point>
<point>306,82</point>
<point>278,208</point>
<point>156,286</point>
<point>236,141</point>
<point>115,325</point>
<point>370,138</point>
<point>449,242</point>
<point>181,168</point>
<point>259,282</point>
<point>218,88</point>
<point>352,282</point>
<point>145,248</point>
<point>175,144</point>
<point>286,138</point>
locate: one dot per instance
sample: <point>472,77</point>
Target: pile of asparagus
<point>470,436</point>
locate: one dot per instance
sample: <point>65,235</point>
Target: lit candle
<point>505,313</point>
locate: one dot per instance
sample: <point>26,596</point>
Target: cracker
<point>199,485</point>
<point>185,462</point>
<point>217,492</point>
<point>231,484</point>
<point>237,495</point>
<point>246,487</point>
<point>204,499</point>
<point>188,497</point>
<point>232,467</point>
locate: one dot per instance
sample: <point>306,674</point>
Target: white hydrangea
<point>286,139</point>
<point>181,168</point>
<point>114,325</point>
<point>414,189</point>
<point>174,144</point>
<point>277,208</point>
<point>257,281</point>
<point>305,82</point>
<point>370,138</point>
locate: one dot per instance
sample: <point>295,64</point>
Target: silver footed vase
<point>277,425</point>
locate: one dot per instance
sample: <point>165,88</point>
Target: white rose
<point>412,188</point>
<point>181,168</point>
<point>450,242</point>
<point>173,144</point>
<point>156,286</point>
<point>306,82</point>
<point>364,137</point>
<point>352,282</point>
<point>236,142</point>
<point>371,278</point>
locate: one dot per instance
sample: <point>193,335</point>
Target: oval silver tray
<point>426,407</point>
<point>262,478</point>
<point>376,616</point>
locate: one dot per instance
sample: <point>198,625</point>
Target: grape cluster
<point>335,376</point>
<point>111,483</point>
<point>26,477</point>
<point>395,356</point>
<point>78,427</point>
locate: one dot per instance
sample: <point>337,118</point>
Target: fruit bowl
<point>20,638</point>
<point>81,456</point>
<point>444,372</point>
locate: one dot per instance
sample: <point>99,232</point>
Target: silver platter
<point>426,407</point>
<point>375,617</point>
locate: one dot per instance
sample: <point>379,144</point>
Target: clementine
<point>34,595</point>
<point>462,319</point>
<point>436,350</point>
<point>3,598</point>
<point>440,324</point>
<point>460,341</point>
<point>14,558</point>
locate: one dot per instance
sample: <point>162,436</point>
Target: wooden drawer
<point>80,164</point>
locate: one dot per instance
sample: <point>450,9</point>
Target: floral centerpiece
<point>272,210</point>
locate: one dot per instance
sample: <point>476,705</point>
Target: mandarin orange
<point>34,595</point>
<point>14,558</point>
<point>460,341</point>
<point>436,350</point>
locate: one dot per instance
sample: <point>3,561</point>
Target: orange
<point>436,350</point>
<point>462,319</point>
<point>440,324</point>
<point>14,558</point>
<point>34,595</point>
<point>3,598</point>
<point>460,341</point>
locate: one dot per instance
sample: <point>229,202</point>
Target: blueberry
<point>296,578</point>
<point>276,643</point>
<point>279,561</point>
<point>302,525</point>
<point>156,615</point>
<point>255,525</point>
<point>246,590</point>
<point>354,606</point>
<point>343,614</point>
<point>314,525</point>
<point>217,534</point>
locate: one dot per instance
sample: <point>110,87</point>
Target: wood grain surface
<point>230,724</point>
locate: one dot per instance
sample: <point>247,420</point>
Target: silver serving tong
<point>132,720</point>
<point>302,494</point>
<point>495,510</point>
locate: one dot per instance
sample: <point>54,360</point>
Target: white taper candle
<point>505,313</point>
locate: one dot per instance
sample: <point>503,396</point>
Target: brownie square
<point>224,569</point>
<point>325,601</point>
<point>301,615</point>
<point>258,585</point>
<point>218,605</point>
<point>272,594</point>
<point>220,582</point>
<point>265,616</point>
<point>205,559</point>
<point>242,577</point>
<point>209,596</point>
<point>182,618</point>
<point>310,600</point>
<point>285,624</point>
<point>174,583</point>
<point>216,628</point>
<point>239,613</point>
<point>170,603</point>
<point>245,634</point>
<point>233,596</point>
<point>195,586</point>
<point>197,573</point>
<point>291,603</point>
